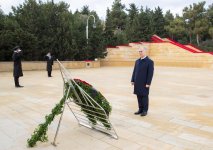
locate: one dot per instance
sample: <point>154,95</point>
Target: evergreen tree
<point>168,19</point>
<point>141,27</point>
<point>130,29</point>
<point>158,22</point>
<point>118,15</point>
<point>85,10</point>
<point>108,34</point>
<point>132,13</point>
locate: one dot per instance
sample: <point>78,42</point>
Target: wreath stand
<point>76,109</point>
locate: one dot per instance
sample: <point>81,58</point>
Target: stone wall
<point>41,65</point>
<point>162,53</point>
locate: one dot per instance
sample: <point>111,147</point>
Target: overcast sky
<point>100,6</point>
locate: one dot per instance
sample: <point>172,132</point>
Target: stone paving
<point>180,114</point>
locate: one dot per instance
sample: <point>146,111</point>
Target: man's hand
<point>132,83</point>
<point>147,86</point>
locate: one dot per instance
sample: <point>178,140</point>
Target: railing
<point>187,48</point>
<point>196,47</point>
<point>156,38</point>
<point>181,46</point>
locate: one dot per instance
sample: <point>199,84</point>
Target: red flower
<point>84,82</point>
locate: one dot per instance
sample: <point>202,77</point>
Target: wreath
<point>90,109</point>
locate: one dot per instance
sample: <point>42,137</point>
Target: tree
<point>158,22</point>
<point>211,32</point>
<point>210,20</point>
<point>200,27</point>
<point>210,14</point>
<point>176,27</point>
<point>189,20</point>
<point>108,32</point>
<point>168,19</point>
<point>1,19</point>
<point>201,22</point>
<point>85,10</point>
<point>96,41</point>
<point>141,27</point>
<point>196,18</point>
<point>132,13</point>
<point>115,24</point>
<point>130,28</point>
<point>118,15</point>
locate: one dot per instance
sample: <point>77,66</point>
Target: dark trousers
<point>49,73</point>
<point>143,103</point>
<point>16,80</point>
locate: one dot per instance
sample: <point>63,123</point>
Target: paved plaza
<point>180,113</point>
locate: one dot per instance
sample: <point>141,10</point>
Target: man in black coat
<point>50,59</point>
<point>17,69</point>
<point>141,79</point>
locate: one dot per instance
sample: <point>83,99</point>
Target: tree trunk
<point>198,43</point>
<point>190,38</point>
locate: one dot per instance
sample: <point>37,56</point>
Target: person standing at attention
<point>17,67</point>
<point>141,79</point>
<point>49,58</point>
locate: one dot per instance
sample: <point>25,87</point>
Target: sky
<point>100,6</point>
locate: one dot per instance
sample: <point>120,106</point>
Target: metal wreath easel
<point>75,107</point>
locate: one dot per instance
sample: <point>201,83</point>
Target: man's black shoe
<point>19,86</point>
<point>138,112</point>
<point>143,113</point>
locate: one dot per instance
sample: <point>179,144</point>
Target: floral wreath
<point>40,133</point>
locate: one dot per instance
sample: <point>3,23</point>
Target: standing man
<point>141,79</point>
<point>49,59</point>
<point>17,69</point>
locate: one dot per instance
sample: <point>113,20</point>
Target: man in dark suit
<point>17,69</point>
<point>49,58</point>
<point>141,79</point>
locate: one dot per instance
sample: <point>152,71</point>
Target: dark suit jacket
<point>49,62</point>
<point>17,67</point>
<point>142,75</point>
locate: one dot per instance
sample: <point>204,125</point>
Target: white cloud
<point>100,6</point>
